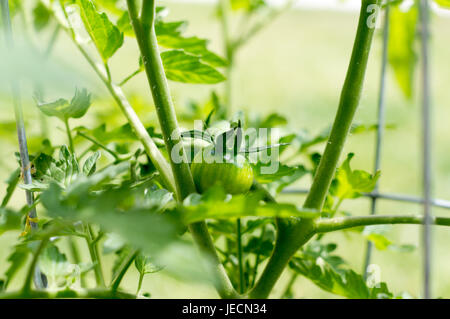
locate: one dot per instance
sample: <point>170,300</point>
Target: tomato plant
<point>202,205</point>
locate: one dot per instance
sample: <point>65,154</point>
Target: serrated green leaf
<point>316,249</point>
<point>169,35</point>
<point>192,45</point>
<point>376,234</point>
<point>56,267</point>
<point>346,282</point>
<point>12,182</point>
<point>90,165</point>
<point>63,109</point>
<point>350,183</point>
<point>401,50</point>
<point>145,265</point>
<point>63,171</point>
<point>105,35</point>
<point>17,259</point>
<point>9,220</point>
<point>187,68</point>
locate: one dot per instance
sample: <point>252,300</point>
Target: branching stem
<point>294,233</point>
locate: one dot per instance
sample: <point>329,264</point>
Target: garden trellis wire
<point>39,278</point>
<point>426,200</point>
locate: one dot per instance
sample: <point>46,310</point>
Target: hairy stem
<point>145,34</point>
<point>294,233</point>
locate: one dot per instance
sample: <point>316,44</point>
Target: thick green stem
<point>339,223</point>
<point>145,34</point>
<point>146,38</point>
<point>294,233</point>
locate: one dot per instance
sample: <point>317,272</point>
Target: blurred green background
<point>296,67</point>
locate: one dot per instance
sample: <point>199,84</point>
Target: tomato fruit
<point>233,173</point>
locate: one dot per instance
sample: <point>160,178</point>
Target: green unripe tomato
<point>234,174</point>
